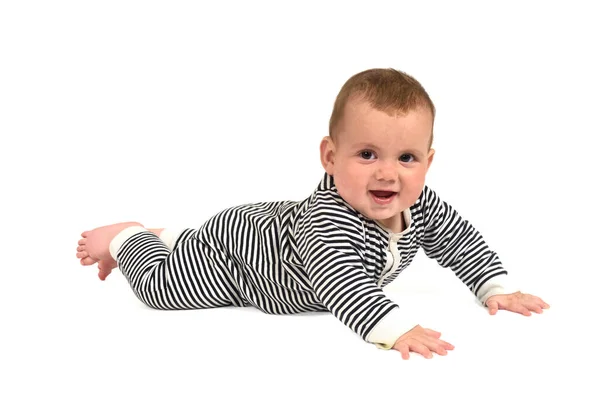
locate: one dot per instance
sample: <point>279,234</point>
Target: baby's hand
<point>423,341</point>
<point>516,302</point>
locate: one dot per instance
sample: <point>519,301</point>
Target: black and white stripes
<point>288,257</point>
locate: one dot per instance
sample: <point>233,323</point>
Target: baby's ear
<point>430,157</point>
<point>327,154</point>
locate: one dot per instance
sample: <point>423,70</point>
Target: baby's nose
<point>386,171</point>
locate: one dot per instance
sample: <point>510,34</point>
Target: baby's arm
<point>455,243</point>
<point>330,246</point>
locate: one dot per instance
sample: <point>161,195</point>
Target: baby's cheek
<point>410,195</point>
<point>349,193</point>
<point>345,184</point>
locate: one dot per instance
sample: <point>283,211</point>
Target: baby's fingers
<point>420,348</point>
<point>433,333</point>
<point>520,308</point>
<point>407,345</point>
<point>403,349</point>
<point>446,345</point>
<point>492,306</point>
<point>535,308</point>
<point>440,347</point>
<point>541,304</point>
<point>427,345</point>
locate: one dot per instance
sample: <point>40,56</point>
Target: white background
<point>167,112</point>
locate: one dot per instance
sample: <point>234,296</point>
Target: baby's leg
<point>106,265</point>
<point>174,237</point>
<point>156,231</point>
<point>191,276</point>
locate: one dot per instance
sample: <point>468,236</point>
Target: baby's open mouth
<point>382,194</point>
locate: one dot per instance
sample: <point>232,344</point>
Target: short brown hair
<point>387,90</point>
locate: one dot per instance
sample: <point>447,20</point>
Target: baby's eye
<point>407,157</point>
<point>367,155</point>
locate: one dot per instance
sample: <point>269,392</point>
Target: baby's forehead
<point>363,123</point>
<point>391,140</point>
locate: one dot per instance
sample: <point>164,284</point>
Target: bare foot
<point>93,247</point>
<point>105,267</point>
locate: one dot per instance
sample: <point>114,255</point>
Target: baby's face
<point>379,161</point>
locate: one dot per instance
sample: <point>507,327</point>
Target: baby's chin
<point>382,215</point>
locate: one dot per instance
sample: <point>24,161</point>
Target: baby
<point>335,250</point>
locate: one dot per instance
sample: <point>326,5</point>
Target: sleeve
<point>455,243</point>
<point>330,242</point>
<point>390,328</point>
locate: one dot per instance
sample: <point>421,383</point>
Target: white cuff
<point>121,237</point>
<point>497,285</point>
<point>170,236</point>
<point>389,329</point>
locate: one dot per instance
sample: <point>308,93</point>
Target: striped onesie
<point>318,254</point>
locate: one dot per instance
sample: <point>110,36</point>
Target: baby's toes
<point>82,241</point>
<point>105,268</point>
<point>88,261</point>
<point>82,254</point>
